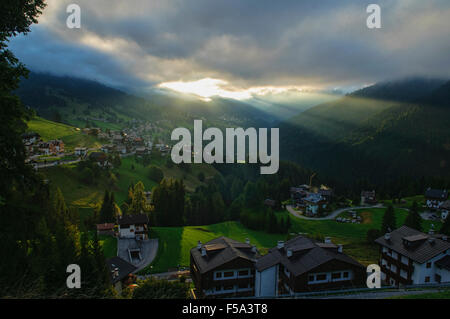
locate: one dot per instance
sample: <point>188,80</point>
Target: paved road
<point>148,248</point>
<point>291,210</point>
<point>55,163</point>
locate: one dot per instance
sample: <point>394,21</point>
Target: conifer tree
<point>389,223</point>
<point>413,219</point>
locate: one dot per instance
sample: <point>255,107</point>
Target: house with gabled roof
<point>121,272</point>
<point>435,197</point>
<point>223,267</point>
<point>303,264</point>
<point>133,226</point>
<point>408,256</point>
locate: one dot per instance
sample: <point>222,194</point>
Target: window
<point>437,278</point>
<point>243,272</point>
<point>228,274</point>
<point>428,265</point>
<point>321,277</point>
<point>345,274</point>
<point>244,286</point>
<point>228,288</point>
<point>405,260</point>
<point>427,279</point>
<point>218,275</point>
<point>311,278</point>
<point>336,275</point>
<point>403,273</point>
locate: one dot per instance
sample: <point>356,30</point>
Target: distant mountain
<point>405,90</point>
<point>377,133</point>
<point>75,101</point>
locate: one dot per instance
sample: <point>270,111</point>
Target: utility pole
<point>310,179</point>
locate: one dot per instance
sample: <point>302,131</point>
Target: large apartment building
<point>302,264</point>
<point>409,257</point>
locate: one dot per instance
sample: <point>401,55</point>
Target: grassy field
<point>407,201</point>
<point>75,192</point>
<point>109,245</point>
<point>71,137</point>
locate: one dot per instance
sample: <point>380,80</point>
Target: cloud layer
<point>248,43</point>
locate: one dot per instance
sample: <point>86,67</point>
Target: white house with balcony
<point>410,257</point>
<point>133,226</point>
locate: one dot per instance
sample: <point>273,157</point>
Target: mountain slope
<point>361,136</point>
<point>77,101</point>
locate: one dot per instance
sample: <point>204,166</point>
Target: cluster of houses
<point>129,141</point>
<point>438,200</point>
<point>34,145</point>
<point>224,267</point>
<point>311,201</point>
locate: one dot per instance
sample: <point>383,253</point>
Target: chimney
<point>116,272</point>
<point>253,249</point>
<point>203,251</point>
<point>431,240</point>
<point>431,231</point>
<point>247,241</point>
<point>387,236</point>
<point>199,245</point>
<point>327,240</point>
<point>280,244</point>
<point>445,238</point>
<point>340,248</point>
<point>289,253</point>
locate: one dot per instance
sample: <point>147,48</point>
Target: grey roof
<point>307,254</point>
<point>436,194</point>
<point>125,268</point>
<point>444,262</point>
<point>220,251</point>
<point>419,249</point>
<point>133,219</point>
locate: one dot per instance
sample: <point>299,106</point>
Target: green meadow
<point>71,137</point>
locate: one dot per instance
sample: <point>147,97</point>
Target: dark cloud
<point>139,43</point>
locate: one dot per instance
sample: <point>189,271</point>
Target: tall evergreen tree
<point>389,223</point>
<point>413,219</point>
<point>445,229</point>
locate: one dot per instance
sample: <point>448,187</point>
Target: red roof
<point>105,226</point>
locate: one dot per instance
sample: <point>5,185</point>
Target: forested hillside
<point>377,133</point>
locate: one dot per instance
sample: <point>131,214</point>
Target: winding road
<point>293,212</point>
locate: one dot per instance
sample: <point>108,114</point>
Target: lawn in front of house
<point>175,243</point>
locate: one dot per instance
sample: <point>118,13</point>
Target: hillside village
<point>137,140</point>
<point>246,271</point>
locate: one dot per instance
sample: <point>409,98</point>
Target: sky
<point>240,48</point>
